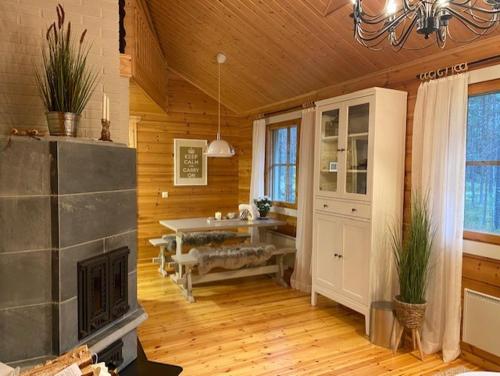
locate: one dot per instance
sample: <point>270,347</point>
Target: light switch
<point>164,195</point>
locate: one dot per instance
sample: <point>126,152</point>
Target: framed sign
<point>190,162</point>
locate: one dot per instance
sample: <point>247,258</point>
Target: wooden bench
<point>168,244</point>
<point>165,254</point>
<point>190,261</point>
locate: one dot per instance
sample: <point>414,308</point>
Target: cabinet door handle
<point>336,255</point>
<point>325,205</point>
<point>354,210</point>
<point>341,149</point>
<point>340,256</point>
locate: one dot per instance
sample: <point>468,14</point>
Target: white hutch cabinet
<point>359,188</point>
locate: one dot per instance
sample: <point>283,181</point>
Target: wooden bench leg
<point>281,272</point>
<point>187,286</point>
<point>162,270</point>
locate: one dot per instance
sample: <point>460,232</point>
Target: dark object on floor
<point>143,367</point>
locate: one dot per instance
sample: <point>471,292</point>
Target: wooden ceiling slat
<point>287,58</point>
<point>305,53</point>
<point>250,54</point>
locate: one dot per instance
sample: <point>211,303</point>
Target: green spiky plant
<point>65,80</point>
<point>412,252</point>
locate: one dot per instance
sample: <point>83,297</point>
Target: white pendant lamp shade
<point>220,148</point>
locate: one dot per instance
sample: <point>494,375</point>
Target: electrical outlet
<point>164,195</point>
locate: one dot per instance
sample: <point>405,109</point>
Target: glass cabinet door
<point>358,121</point>
<point>329,145</point>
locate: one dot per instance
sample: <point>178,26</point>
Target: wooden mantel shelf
<point>125,65</point>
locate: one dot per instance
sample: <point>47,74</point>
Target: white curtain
<point>301,277</point>
<point>438,170</point>
<point>258,159</point>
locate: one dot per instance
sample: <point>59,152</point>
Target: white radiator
<point>481,321</point>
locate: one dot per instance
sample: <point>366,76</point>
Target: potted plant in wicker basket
<point>412,254</point>
<point>65,80</point>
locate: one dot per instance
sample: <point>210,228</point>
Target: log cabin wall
<point>192,114</point>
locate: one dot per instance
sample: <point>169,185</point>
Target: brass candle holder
<point>105,134</point>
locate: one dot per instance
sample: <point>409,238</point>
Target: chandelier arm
<point>406,34</point>
<point>373,20</point>
<point>373,46</point>
<point>477,35</point>
<point>471,8</point>
<point>408,6</point>
<point>476,17</point>
<point>468,22</point>
<point>379,33</point>
<point>378,36</point>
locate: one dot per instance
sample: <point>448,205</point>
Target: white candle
<point>107,108</point>
<point>103,106</point>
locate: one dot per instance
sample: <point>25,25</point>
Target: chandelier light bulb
<point>391,7</point>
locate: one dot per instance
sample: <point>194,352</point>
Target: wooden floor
<point>254,327</point>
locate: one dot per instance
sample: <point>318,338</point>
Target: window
<point>281,157</point>
<point>482,172</point>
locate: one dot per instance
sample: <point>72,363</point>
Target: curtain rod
<point>454,69</point>
<point>286,110</point>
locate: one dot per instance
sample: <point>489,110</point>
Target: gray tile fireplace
<point>62,203</point>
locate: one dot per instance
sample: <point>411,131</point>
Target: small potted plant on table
<point>412,253</point>
<point>263,206</point>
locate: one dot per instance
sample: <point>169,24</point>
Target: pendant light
<point>220,148</point>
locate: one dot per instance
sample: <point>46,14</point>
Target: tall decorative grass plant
<point>65,80</point>
<point>412,252</point>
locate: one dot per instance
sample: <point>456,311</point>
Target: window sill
<point>482,249</point>
<point>283,204</point>
<point>291,212</point>
<point>482,237</point>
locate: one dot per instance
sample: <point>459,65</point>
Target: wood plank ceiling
<point>276,49</point>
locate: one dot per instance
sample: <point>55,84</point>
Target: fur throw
<point>231,257</point>
<point>199,238</point>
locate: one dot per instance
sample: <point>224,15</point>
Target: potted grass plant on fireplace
<point>412,253</point>
<point>65,80</point>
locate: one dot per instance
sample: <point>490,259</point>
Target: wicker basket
<point>410,316</point>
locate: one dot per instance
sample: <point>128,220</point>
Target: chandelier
<point>427,17</point>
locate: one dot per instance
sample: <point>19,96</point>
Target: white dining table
<point>187,225</point>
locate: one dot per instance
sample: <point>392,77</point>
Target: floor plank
<point>254,327</point>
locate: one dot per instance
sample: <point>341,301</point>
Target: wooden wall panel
<point>191,115</point>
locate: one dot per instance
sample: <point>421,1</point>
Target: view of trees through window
<point>283,164</point>
<point>482,183</point>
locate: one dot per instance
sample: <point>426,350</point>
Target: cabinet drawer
<point>353,209</point>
